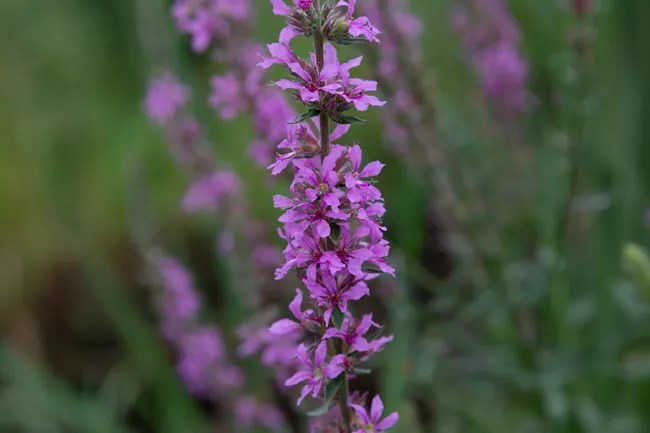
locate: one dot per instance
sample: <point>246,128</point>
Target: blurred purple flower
<point>165,96</point>
<point>491,40</point>
<point>207,193</point>
<point>372,422</point>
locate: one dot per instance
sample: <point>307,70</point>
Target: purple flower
<point>372,422</point>
<point>165,96</point>
<point>317,372</point>
<point>207,20</point>
<point>352,333</point>
<point>250,413</point>
<point>208,192</point>
<point>199,352</point>
<point>503,76</point>
<point>287,326</point>
<point>311,81</point>
<point>329,294</point>
<point>360,26</point>
<point>301,142</point>
<point>281,52</point>
<point>226,96</point>
<point>491,39</point>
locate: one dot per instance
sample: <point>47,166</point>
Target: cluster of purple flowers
<point>399,63</point>
<point>203,364</point>
<point>207,20</point>
<point>332,220</point>
<point>242,87</point>
<point>491,39</point>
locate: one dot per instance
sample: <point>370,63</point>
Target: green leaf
<point>330,391</point>
<point>312,112</point>
<point>337,318</point>
<point>348,120</point>
<point>335,232</point>
<point>637,264</point>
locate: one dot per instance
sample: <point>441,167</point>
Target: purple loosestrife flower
<point>491,40</point>
<point>165,97</point>
<point>206,20</point>
<point>361,26</point>
<point>315,371</point>
<point>301,143</point>
<point>250,413</point>
<point>331,219</point>
<point>202,362</point>
<point>372,422</point>
<point>208,192</point>
<point>352,334</point>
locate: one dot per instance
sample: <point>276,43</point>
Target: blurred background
<point>517,191</point>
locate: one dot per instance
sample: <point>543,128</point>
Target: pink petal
<point>296,304</point>
<point>388,422</point>
<point>305,391</point>
<point>323,228</point>
<point>280,8</point>
<point>320,353</point>
<point>301,376</point>
<point>372,169</point>
<point>339,132</point>
<point>283,327</point>
<point>361,413</point>
<point>376,408</point>
<point>282,202</point>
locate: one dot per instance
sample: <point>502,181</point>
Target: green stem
<point>324,119</point>
<point>344,389</point>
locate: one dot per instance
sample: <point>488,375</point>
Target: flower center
<point>323,187</point>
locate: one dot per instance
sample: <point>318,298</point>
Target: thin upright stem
<point>344,389</point>
<point>344,395</point>
<point>324,119</point>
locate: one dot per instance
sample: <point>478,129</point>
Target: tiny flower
<point>317,372</point>
<point>165,97</point>
<point>287,326</point>
<point>301,142</point>
<point>311,81</point>
<point>226,96</point>
<point>329,294</point>
<point>361,26</point>
<point>359,190</point>
<point>353,333</point>
<point>208,192</point>
<point>372,422</point>
<point>281,52</point>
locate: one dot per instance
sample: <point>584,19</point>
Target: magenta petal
<point>320,353</point>
<point>356,292</point>
<point>323,228</point>
<point>339,132</point>
<point>376,408</point>
<point>332,371</point>
<point>296,304</point>
<point>282,202</point>
<point>372,169</point>
<point>388,422</point>
<point>280,8</point>
<point>305,391</point>
<point>301,376</point>
<point>283,327</point>
<point>361,413</point>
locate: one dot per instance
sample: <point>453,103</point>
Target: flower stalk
<point>332,219</point>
